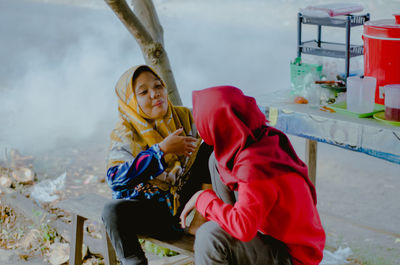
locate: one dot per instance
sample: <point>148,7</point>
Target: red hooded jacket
<point>275,195</point>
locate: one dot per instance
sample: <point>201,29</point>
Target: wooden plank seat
<point>89,207</point>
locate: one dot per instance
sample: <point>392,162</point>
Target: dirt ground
<point>84,164</point>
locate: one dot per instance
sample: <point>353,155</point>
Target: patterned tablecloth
<point>365,135</point>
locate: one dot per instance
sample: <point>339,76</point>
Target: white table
<point>365,135</point>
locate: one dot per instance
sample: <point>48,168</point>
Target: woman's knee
<point>212,245</point>
<point>210,234</point>
<point>112,211</point>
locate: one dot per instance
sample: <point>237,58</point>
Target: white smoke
<point>64,57</point>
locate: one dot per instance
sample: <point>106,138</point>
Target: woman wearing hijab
<point>152,154</point>
<point>262,209</point>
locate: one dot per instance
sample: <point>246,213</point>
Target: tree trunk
<point>146,13</point>
<point>146,28</point>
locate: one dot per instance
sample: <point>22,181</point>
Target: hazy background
<point>60,61</point>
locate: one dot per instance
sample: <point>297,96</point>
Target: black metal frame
<point>322,48</point>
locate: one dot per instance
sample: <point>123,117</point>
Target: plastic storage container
<point>392,102</point>
<point>302,75</point>
<point>299,70</point>
<point>382,52</point>
<point>360,95</point>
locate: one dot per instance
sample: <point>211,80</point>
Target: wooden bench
<point>90,207</point>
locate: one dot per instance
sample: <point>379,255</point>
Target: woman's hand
<point>180,145</point>
<point>188,207</point>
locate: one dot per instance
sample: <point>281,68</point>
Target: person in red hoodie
<point>262,209</point>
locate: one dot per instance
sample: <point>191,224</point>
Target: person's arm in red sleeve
<point>255,200</point>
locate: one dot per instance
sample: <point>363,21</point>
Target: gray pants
<point>215,246</point>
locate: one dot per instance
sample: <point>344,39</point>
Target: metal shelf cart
<point>331,49</point>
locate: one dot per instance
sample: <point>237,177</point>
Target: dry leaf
<point>59,253</point>
<point>5,181</point>
<point>30,239</point>
<point>23,256</point>
<point>23,175</point>
<point>18,160</point>
<point>93,261</point>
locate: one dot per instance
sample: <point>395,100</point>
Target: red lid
<point>382,29</point>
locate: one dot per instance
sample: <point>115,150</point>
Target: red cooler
<point>382,53</point>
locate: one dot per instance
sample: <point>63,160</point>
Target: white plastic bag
<point>45,191</point>
<point>336,258</point>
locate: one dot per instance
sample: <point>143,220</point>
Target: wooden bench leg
<point>75,256</point>
<point>311,159</point>
<point>109,252</point>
